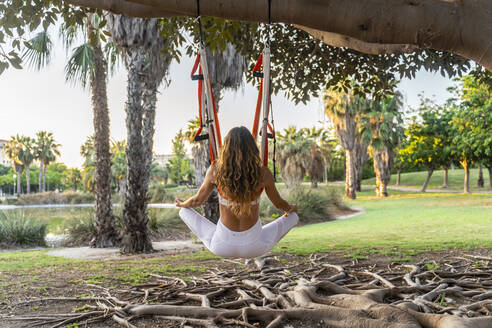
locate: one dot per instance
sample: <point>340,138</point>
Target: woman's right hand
<point>179,202</point>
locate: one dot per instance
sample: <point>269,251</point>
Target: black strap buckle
<point>201,137</point>
<point>258,74</point>
<point>197,77</point>
<point>269,135</point>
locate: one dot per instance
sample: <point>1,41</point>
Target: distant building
<point>162,159</point>
<point>3,158</point>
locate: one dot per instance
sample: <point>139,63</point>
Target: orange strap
<point>256,122</point>
<point>197,66</point>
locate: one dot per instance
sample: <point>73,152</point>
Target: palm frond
<point>81,65</point>
<point>112,53</point>
<point>38,52</point>
<point>69,34</point>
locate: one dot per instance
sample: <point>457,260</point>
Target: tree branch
<point>449,25</point>
<point>338,40</point>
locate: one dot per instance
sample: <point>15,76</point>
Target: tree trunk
<point>149,103</point>
<point>74,187</point>
<point>201,161</point>
<point>314,183</point>
<point>383,162</point>
<point>136,234</point>
<point>480,181</point>
<point>106,234</point>
<point>398,177</point>
<point>430,170</point>
<point>19,183</point>
<point>445,177</point>
<point>350,177</point>
<point>40,177</point>
<point>45,168</point>
<point>362,156</point>
<point>28,179</point>
<point>466,166</point>
<point>489,168</point>
<point>425,24</point>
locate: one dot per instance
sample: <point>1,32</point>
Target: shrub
<point>18,230</point>
<point>68,197</point>
<point>313,206</point>
<point>158,194</point>
<point>80,230</point>
<point>165,219</point>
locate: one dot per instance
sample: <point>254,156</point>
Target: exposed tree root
<point>457,295</point>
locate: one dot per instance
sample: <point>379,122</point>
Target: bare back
<point>231,221</point>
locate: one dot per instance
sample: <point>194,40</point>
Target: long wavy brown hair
<point>238,170</point>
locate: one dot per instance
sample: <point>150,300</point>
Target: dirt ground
<point>78,280</point>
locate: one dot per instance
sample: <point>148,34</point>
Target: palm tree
<point>315,164</point>
<point>28,155</point>
<point>294,151</point>
<point>46,151</point>
<point>141,45</point>
<point>343,108</point>
<point>73,177</point>
<point>87,64</point>
<point>13,151</point>
<point>381,127</point>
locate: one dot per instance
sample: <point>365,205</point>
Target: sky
<point>31,101</point>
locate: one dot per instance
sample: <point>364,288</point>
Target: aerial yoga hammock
<point>231,236</point>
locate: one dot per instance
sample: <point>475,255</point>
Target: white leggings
<point>224,242</point>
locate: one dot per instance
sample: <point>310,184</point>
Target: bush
<point>80,230</point>
<point>158,194</point>
<point>313,206</point>
<point>68,197</point>
<point>165,219</point>
<point>18,230</point>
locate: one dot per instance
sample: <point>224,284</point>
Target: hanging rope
<point>264,101</point>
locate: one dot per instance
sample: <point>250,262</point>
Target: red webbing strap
<point>218,143</point>
<point>195,66</point>
<point>256,122</point>
<point>216,120</point>
<point>200,88</point>
<point>258,64</point>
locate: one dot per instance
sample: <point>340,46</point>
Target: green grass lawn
<point>402,224</point>
<point>455,179</point>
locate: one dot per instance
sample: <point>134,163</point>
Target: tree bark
<point>453,26</point>
<point>466,165</point>
<point>430,170</point>
<point>201,162</point>
<point>383,162</point>
<point>136,234</point>
<point>106,234</point>
<point>149,103</point>
<point>362,156</point>
<point>445,177</point>
<point>40,177</point>
<point>398,177</point>
<point>45,168</point>
<point>480,181</point>
<point>350,178</point>
<point>28,180</point>
<point>489,168</point>
<point>19,182</point>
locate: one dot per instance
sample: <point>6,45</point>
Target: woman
<point>240,179</point>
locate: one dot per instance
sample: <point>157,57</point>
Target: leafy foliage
<point>18,230</point>
<point>179,168</point>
